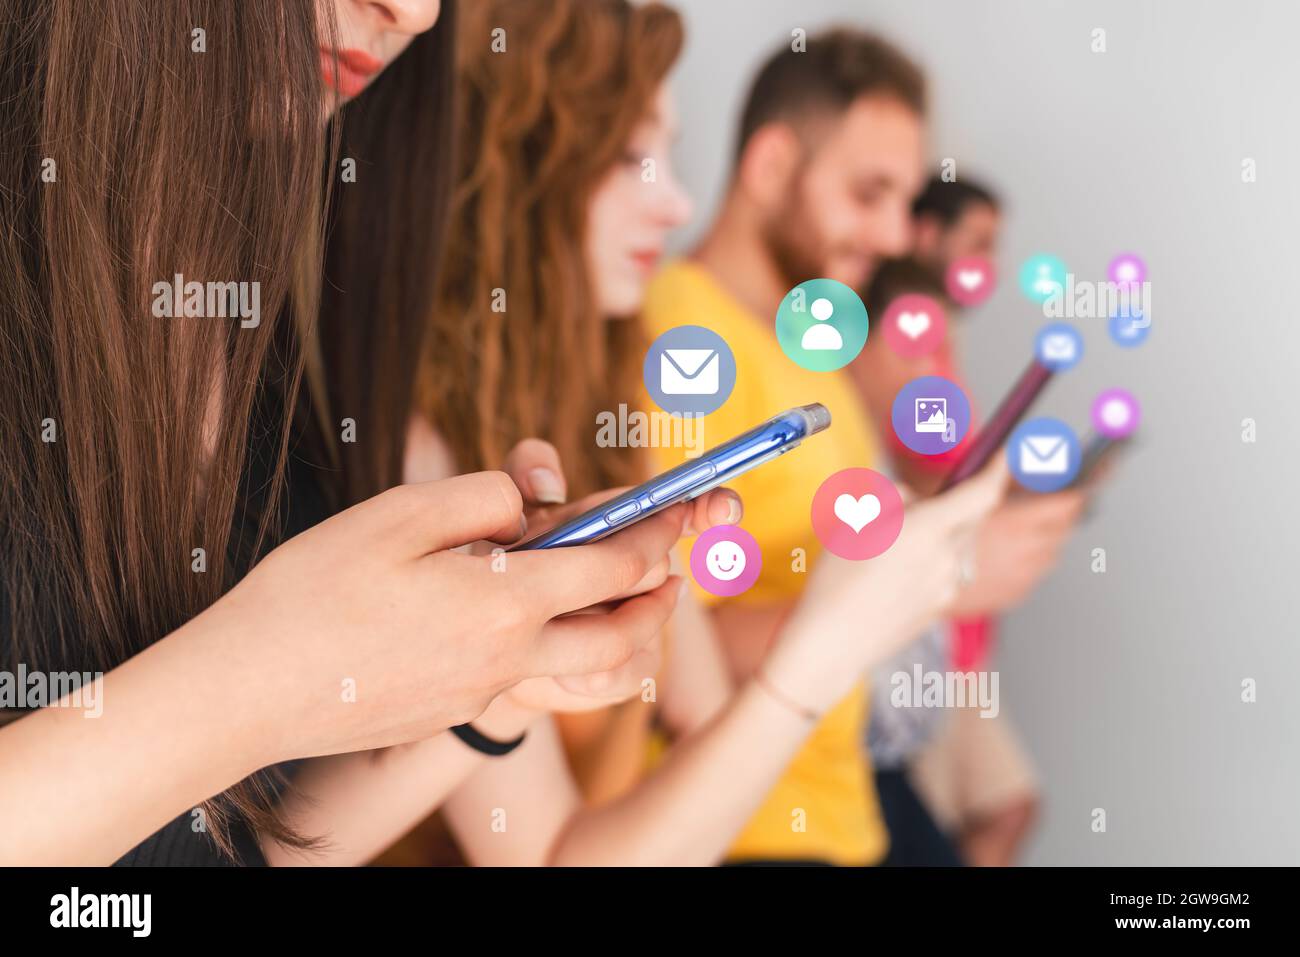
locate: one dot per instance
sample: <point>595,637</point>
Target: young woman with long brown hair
<point>161,472</point>
<point>552,212</point>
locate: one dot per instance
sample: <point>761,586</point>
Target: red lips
<point>352,72</point>
<point>647,259</point>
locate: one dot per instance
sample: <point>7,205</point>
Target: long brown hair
<point>128,156</point>
<point>542,121</point>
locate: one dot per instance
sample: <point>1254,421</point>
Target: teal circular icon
<point>822,325</point>
<point>1042,277</point>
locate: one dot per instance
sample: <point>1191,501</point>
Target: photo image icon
<point>931,415</point>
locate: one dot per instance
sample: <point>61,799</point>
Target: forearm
<point>690,809</point>
<point>696,682</point>
<point>177,726</point>
<point>606,749</point>
<point>361,803</point>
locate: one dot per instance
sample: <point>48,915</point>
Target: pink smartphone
<point>1000,425</point>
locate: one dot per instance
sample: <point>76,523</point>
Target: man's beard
<point>793,243</point>
<point>799,250</point>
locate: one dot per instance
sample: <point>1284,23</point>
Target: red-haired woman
<point>564,202</point>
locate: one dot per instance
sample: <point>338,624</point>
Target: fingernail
<point>734,510</point>
<point>547,487</point>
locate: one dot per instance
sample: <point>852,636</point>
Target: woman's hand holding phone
<point>1016,549</point>
<point>855,614</point>
<point>536,469</point>
<point>369,630</point>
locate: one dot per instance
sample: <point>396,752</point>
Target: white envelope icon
<point>1044,455</point>
<point>1058,347</point>
<point>688,372</point>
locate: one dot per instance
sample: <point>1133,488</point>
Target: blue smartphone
<point>763,443</point>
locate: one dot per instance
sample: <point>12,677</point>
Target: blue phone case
<point>763,443</point>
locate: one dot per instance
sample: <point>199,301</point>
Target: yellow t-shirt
<point>824,807</point>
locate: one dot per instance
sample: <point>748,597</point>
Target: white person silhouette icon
<point>823,336</point>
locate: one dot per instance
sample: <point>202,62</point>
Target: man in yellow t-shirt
<point>829,158</point>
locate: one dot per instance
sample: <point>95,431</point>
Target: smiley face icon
<point>726,560</point>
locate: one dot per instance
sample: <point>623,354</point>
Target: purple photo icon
<point>931,415</point>
<point>1115,413</point>
<point>726,560</point>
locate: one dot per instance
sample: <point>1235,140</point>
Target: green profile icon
<point>822,325</point>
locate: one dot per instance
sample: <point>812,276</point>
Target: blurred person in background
<point>971,772</point>
<point>828,159</point>
<point>951,220</point>
<point>556,131</point>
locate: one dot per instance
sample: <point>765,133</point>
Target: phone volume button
<point>696,475</point>
<point>622,513</point>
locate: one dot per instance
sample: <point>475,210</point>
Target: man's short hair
<point>947,201</point>
<point>826,78</point>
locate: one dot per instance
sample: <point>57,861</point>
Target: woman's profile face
<point>632,211</point>
<point>371,35</point>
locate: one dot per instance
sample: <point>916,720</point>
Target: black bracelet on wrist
<point>483,744</point>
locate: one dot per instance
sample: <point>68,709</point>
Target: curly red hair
<point>550,93</point>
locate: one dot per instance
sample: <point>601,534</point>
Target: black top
<point>306,502</point>
<point>181,844</point>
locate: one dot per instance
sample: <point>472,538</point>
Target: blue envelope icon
<point>1044,455</point>
<point>688,372</point>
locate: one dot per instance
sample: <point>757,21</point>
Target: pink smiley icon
<point>726,560</point>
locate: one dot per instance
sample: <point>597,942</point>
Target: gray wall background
<point>1126,686</point>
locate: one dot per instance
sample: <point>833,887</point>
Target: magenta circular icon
<point>931,415</point>
<point>857,514</point>
<point>915,325</point>
<point>1127,269</point>
<point>970,280</point>
<point>1115,413</point>
<point>726,560</point>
